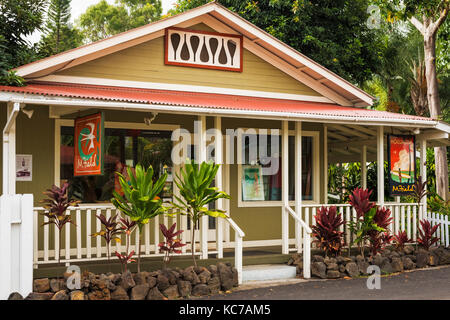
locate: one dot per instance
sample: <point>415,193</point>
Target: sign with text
<point>402,164</point>
<point>203,49</point>
<point>88,142</point>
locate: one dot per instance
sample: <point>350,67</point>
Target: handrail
<point>235,227</point>
<point>297,218</point>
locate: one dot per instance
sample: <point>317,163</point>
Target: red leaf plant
<point>326,231</point>
<point>379,237</point>
<point>401,239</point>
<point>125,259</point>
<point>359,200</point>
<point>126,227</point>
<point>426,239</point>
<point>170,244</point>
<point>56,205</point>
<point>110,231</point>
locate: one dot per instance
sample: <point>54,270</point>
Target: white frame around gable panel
<point>108,124</point>
<point>315,173</point>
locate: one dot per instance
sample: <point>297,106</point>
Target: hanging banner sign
<point>402,164</point>
<point>203,49</point>
<point>88,141</point>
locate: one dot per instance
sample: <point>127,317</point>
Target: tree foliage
<point>59,34</point>
<point>18,19</point>
<point>333,33</point>
<point>103,19</point>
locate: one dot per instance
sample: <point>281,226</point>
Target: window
<point>258,184</point>
<point>123,148</point>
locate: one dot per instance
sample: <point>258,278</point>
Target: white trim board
<point>182,87</point>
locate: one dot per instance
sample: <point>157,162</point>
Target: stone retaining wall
<point>157,285</point>
<point>390,261</point>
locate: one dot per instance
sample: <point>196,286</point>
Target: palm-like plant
<point>57,203</point>
<point>140,200</point>
<point>196,193</point>
<point>110,232</point>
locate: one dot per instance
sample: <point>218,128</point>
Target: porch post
<point>9,149</point>
<point>218,158</point>
<point>285,187</point>
<point>364,167</point>
<point>298,183</point>
<point>380,165</point>
<point>423,173</point>
<point>201,154</point>
<point>325,163</point>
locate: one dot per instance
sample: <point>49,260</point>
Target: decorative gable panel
<point>203,49</point>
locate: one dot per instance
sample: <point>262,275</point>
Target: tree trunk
<point>193,242</point>
<point>440,153</point>
<point>139,250</point>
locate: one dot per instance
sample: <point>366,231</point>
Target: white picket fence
<point>443,230</point>
<point>16,244</point>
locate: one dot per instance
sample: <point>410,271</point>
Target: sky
<point>80,6</point>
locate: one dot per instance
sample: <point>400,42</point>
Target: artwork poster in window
<point>402,164</point>
<point>252,183</point>
<point>88,141</point>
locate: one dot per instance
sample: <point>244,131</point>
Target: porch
<point>309,142</point>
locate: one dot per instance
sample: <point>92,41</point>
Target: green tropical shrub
<point>196,193</point>
<point>140,200</point>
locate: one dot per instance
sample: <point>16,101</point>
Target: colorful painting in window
<point>89,132</point>
<point>402,164</point>
<point>252,183</point>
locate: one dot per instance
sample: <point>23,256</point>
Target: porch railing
<point>78,245</point>
<point>405,216</point>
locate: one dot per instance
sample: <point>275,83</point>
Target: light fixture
<point>148,120</point>
<point>416,131</point>
<point>29,113</point>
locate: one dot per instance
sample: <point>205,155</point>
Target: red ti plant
<point>56,205</point>
<point>326,231</point>
<point>110,231</point>
<point>420,189</point>
<point>365,211</point>
<point>125,259</point>
<point>401,239</point>
<point>426,239</point>
<point>379,235</point>
<point>170,244</point>
<point>359,200</point>
<point>127,227</point>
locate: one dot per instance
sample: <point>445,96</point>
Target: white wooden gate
<point>16,244</point>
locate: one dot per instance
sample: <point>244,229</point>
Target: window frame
<point>315,172</point>
<point>108,124</point>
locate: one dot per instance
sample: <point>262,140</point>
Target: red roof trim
<point>202,100</point>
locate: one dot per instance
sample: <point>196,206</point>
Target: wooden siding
<point>145,62</point>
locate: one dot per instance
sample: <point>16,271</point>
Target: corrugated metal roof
<point>202,100</point>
